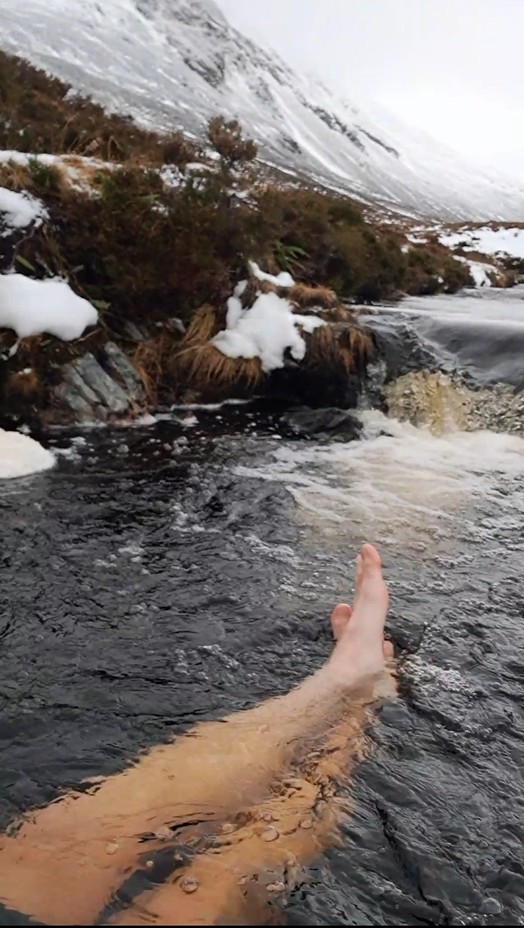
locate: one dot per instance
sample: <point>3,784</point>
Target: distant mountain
<point>174,63</point>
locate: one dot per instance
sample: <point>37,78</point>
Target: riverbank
<point>156,233</point>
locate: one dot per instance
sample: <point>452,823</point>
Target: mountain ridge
<point>172,64</point>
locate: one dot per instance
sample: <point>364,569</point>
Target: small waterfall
<point>429,400</point>
<point>444,404</point>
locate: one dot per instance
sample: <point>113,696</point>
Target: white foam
<point>397,487</point>
<point>21,455</point>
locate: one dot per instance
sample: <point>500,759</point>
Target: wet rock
<point>110,393</point>
<point>490,906</point>
<point>293,783</point>
<point>118,365</point>
<point>322,385</point>
<point>134,332</point>
<point>399,346</point>
<point>89,392</point>
<point>436,401</point>
<point>442,883</point>
<point>175,325</point>
<point>329,424</point>
<point>71,397</point>
<point>74,379</point>
<point>189,885</point>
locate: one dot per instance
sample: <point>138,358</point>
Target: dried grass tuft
<point>23,384</point>
<point>204,367</point>
<point>14,176</point>
<point>331,345</point>
<point>149,360</point>
<point>304,297</point>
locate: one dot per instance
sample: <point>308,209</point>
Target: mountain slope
<point>174,63</point>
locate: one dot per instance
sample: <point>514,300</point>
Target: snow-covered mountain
<point>174,63</point>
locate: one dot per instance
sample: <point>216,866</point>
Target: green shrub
<point>227,139</point>
<point>431,268</point>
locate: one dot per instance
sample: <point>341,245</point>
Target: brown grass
<point>15,176</point>
<point>305,297</point>
<point>301,297</point>
<point>150,359</point>
<point>24,385</point>
<point>41,117</point>
<point>203,367</point>
<point>200,365</point>
<point>331,345</point>
<point>203,326</point>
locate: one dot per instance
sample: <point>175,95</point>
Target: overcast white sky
<point>452,67</point>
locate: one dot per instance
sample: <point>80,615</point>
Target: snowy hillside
<point>175,63</point>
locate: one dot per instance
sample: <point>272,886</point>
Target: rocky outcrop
<point>322,424</point>
<point>100,388</point>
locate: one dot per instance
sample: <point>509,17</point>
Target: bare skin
<point>220,788</point>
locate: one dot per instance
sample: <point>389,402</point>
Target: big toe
<point>371,588</point>
<point>339,619</point>
<point>370,557</point>
<point>370,579</point>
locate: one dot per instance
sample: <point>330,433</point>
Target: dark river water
<point>167,574</point>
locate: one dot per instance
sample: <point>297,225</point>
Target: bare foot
<point>359,630</point>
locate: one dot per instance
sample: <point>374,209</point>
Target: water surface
<point>164,575</point>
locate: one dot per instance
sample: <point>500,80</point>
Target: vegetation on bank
<point>149,245</point>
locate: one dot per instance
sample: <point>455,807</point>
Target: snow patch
<point>264,331</point>
<point>19,210</point>
<point>21,455</point>
<point>171,176</point>
<point>280,280</point>
<point>78,169</point>
<point>480,272</point>
<point>487,241</point>
<point>32,307</point>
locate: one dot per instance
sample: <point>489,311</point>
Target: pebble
<point>164,833</point>
<point>189,885</point>
<point>276,887</point>
<point>306,823</point>
<point>490,906</point>
<point>270,834</point>
<point>228,828</point>
<point>112,848</point>
<point>149,864</point>
<point>293,783</point>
